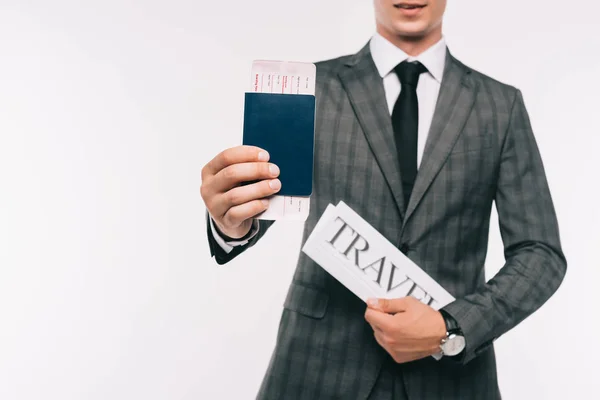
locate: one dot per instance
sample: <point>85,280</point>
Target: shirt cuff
<point>228,245</point>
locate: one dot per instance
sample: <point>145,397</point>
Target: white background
<point>108,111</point>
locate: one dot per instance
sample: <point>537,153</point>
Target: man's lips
<point>410,10</point>
<point>409,6</point>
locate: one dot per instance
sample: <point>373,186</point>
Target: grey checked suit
<point>480,150</point>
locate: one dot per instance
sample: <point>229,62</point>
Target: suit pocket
<point>306,300</point>
<point>469,142</point>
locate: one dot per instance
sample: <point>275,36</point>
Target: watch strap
<point>451,324</point>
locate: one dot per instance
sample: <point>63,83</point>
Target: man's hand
<point>231,205</point>
<point>406,328</point>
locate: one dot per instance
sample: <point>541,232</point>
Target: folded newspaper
<point>364,261</point>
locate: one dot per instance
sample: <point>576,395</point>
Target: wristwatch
<point>454,342</point>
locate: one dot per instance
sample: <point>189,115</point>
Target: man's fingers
<point>379,320</point>
<point>375,328</point>
<point>405,357</point>
<point>398,356</point>
<point>244,194</point>
<point>381,340</point>
<point>232,175</point>
<point>234,155</point>
<point>238,214</point>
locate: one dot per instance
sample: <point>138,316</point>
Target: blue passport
<point>284,125</point>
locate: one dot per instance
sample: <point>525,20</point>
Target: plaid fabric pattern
<point>480,151</point>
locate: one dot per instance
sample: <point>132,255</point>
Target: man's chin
<point>413,32</point>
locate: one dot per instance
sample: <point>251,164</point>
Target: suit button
<point>404,248</point>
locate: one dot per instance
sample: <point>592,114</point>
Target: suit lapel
<point>455,101</point>
<point>364,87</point>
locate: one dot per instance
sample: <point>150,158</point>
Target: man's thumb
<point>390,306</point>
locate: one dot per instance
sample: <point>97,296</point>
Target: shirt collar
<point>387,56</point>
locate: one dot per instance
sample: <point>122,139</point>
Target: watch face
<point>454,345</point>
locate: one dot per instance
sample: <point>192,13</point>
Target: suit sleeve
<point>228,244</point>
<point>220,254</point>
<point>535,264</point>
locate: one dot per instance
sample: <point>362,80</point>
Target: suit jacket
<point>480,150</point>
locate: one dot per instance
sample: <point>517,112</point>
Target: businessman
<point>421,146</point>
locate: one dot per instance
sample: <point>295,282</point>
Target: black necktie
<point>405,121</point>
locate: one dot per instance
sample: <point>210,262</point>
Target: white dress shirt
<point>386,57</point>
